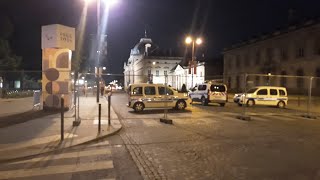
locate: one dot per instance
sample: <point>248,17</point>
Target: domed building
<point>150,64</point>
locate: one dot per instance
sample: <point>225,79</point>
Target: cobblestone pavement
<point>204,144</point>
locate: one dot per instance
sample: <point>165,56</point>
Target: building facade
<point>294,52</point>
<point>148,64</point>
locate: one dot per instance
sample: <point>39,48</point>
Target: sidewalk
<point>42,135</point>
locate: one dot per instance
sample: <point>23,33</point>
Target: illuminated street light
<point>199,41</point>
<point>190,40</point>
<point>108,4</point>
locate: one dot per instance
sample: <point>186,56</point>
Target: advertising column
<point>57,43</point>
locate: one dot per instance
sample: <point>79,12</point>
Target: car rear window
<point>282,92</point>
<point>164,91</point>
<point>217,88</point>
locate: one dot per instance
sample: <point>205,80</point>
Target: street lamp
<point>108,4</point>
<point>198,41</point>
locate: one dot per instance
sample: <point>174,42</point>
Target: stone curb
<point>61,148</point>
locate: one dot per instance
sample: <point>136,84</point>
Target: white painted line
<point>50,170</point>
<point>95,122</point>
<point>35,141</point>
<point>104,143</point>
<point>67,155</point>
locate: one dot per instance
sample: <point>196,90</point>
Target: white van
<point>141,96</point>
<point>209,93</point>
<point>265,95</point>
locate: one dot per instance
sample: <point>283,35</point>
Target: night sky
<point>221,23</point>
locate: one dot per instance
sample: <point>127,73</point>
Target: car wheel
<point>204,102</point>
<point>138,107</point>
<point>250,102</point>
<point>222,104</point>
<point>181,105</point>
<point>281,104</point>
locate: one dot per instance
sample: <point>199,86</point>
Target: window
<point>300,52</point>
<point>283,54</point>
<point>149,71</point>
<point>246,60</point>
<point>257,80</point>
<point>300,80</point>
<point>165,72</point>
<point>270,54</point>
<point>150,90</point>
<point>202,87</point>
<point>137,91</point>
<point>257,59</point>
<point>217,88</point>
<point>273,92</point>
<point>163,91</point>
<point>317,46</point>
<point>262,92</point>
<point>157,73</point>
<point>282,92</point>
<point>318,77</point>
<point>238,61</point>
<point>283,80</point>
<point>238,82</point>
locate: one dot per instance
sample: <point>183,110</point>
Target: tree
<point>8,60</point>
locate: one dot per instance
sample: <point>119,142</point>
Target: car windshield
<point>252,90</point>
<point>218,88</point>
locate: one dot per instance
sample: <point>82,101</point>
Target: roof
<point>278,32</point>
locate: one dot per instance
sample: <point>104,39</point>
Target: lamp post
<point>108,3</point>
<point>197,41</point>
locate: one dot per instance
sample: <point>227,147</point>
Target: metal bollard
<point>109,104</point>
<point>99,116</point>
<point>62,119</point>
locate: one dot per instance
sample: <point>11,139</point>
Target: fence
<point>303,91</point>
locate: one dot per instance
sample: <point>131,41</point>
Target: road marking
<point>35,141</point>
<point>95,122</point>
<point>67,155</point>
<point>50,170</point>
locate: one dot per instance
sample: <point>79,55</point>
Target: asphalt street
<point>209,142</point>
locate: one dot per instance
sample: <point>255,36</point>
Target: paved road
<point>210,143</point>
<point>106,159</point>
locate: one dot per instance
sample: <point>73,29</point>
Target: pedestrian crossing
<point>93,161</point>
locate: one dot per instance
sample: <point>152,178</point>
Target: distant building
<point>294,51</point>
<point>149,64</point>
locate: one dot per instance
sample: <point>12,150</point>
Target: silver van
<point>143,95</point>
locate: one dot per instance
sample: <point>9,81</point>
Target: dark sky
<point>221,23</point>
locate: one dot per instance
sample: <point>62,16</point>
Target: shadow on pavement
<point>10,120</point>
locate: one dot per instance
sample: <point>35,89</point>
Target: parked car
<point>209,93</point>
<point>265,95</point>
<point>141,96</point>
<point>236,97</point>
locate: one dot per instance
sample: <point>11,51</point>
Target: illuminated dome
<point>140,48</point>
